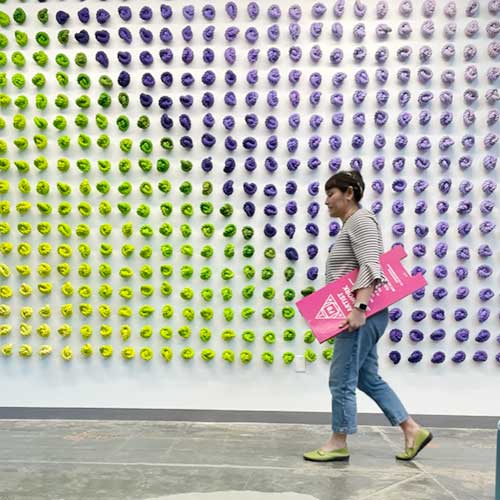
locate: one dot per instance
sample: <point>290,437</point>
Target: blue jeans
<point>355,364</point>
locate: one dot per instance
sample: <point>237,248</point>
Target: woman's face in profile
<point>338,202</point>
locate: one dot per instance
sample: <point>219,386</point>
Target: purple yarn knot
<point>382,31</point>
<point>415,357</point>
<point>438,335</point>
<point>459,357</point>
<point>440,271</point>
<point>397,209</point>
<point>419,250</point>
<point>421,230</point>
<point>274,12</point>
<point>418,315</point>
<point>381,55</point>
<point>460,314</point>
<point>339,8</point>
<point>462,335</point>
<point>486,294</point>
<point>382,97</point>
<point>208,12</point>
<point>464,228</point>
<point>441,250</point>
<point>399,185</point>
<point>315,30</point>
<point>379,142</point>
<point>166,11</point>
<point>427,29</point>
<point>483,336</point>
<point>378,186</point>
<point>289,230</point>
<point>461,273</point>
<point>124,12</point>
<point>312,229</point>
<point>480,356</point>
<point>487,227</point>
<point>62,17</point>
<point>484,250</point>
<point>253,10</point>
<point>359,53</point>
<point>312,250</point>
<point>404,53</point>
<point>295,12</point>
<point>333,228</point>
<point>273,32</point>
<point>318,9</point>
<point>423,118</point>
<point>270,210</point>
<point>416,335</point>
<point>269,230</point>
<point>315,79</point>
<point>294,76</point>
<point>291,208</point>
<point>231,33</point>
<point>438,314</point>
<point>146,14</point>
<point>395,335</point>
<point>313,209</point>
<point>395,357</point>
<point>442,228</point>
<point>338,79</point>
<point>361,77</point>
<point>438,357</point>
<point>395,313</point>
<point>291,254</point>
<point>359,9</point>
<point>102,15</point>
<point>312,273</point>
<point>420,186</point>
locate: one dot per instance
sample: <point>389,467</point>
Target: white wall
<point>468,389</point>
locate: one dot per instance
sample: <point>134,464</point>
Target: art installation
<point>162,171</point>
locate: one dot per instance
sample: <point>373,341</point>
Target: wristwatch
<point>361,306</point>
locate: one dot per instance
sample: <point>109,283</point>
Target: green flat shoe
<point>422,439</point>
<point>339,455</point>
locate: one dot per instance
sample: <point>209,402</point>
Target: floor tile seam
<point>144,464</point>
<point>212,423</point>
<point>386,489</point>
<point>322,469</point>
<point>389,429</point>
<point>170,423</point>
<point>419,466</point>
<point>435,479</point>
<point>122,445</point>
<point>385,437</point>
<point>251,477</point>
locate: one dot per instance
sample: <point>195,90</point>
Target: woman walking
<point>355,361</point>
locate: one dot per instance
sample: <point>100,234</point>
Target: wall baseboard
<point>278,417</point>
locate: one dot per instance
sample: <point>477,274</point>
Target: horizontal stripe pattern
<point>358,244</point>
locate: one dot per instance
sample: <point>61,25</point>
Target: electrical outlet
<point>300,364</point>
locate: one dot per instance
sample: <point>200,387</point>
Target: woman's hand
<point>354,320</point>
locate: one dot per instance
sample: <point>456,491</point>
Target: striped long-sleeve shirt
<point>358,244</point>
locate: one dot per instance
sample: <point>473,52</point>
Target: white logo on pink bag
<point>330,310</point>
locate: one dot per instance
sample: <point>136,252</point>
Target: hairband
<point>357,183</point>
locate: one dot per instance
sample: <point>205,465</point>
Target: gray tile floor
<point>120,460</point>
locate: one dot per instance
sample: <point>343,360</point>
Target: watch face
<point>361,306</point>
